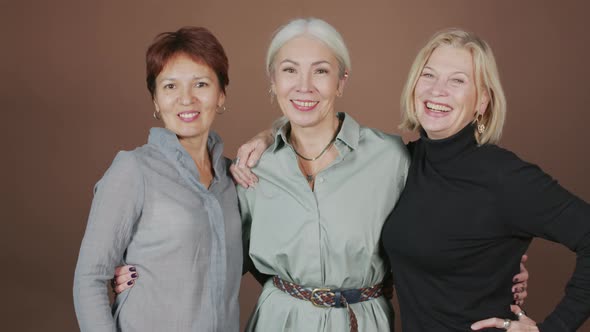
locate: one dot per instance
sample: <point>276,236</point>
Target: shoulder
<point>499,158</point>
<point>125,165</point>
<point>505,167</point>
<point>385,143</point>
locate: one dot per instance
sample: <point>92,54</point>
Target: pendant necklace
<point>310,177</point>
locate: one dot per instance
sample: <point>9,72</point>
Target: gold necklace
<point>325,148</point>
<point>308,177</point>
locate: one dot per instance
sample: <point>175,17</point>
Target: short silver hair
<point>315,28</point>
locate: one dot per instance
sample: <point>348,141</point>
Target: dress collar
<point>450,148</point>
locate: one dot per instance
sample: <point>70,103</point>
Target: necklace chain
<point>311,177</point>
<point>325,148</point>
<point>319,155</point>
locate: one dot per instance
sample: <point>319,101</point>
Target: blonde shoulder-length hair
<point>487,81</point>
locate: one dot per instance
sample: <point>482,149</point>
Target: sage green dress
<point>328,237</point>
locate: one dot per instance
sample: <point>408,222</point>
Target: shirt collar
<point>349,133</point>
<point>168,143</point>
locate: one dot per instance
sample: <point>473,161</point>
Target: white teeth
<point>437,107</point>
<point>305,103</point>
<point>187,115</point>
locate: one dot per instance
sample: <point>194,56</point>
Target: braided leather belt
<point>327,298</point>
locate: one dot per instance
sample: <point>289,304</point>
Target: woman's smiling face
<point>306,81</point>
<point>445,94</point>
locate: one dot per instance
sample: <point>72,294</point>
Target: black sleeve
<point>534,204</point>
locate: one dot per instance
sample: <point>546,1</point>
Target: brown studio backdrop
<point>73,94</point>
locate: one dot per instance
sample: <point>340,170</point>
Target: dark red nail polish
<point>515,279</point>
<point>130,282</point>
<point>132,269</point>
<point>134,275</point>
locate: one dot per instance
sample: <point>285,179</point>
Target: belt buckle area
<point>317,290</point>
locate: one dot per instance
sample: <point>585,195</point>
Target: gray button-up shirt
<point>151,211</point>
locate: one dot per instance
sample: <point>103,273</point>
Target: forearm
<point>91,303</point>
<point>574,309</point>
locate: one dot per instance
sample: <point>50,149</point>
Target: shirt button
<point>320,180</point>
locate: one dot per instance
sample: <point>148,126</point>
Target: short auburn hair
<point>196,42</point>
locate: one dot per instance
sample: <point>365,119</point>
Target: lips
<point>437,109</point>
<point>188,116</point>
<point>304,105</point>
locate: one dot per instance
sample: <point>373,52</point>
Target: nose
<point>186,96</point>
<point>439,87</point>
<point>304,83</point>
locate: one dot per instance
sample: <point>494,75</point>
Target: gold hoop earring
<point>156,115</point>
<point>224,109</point>
<point>481,127</point>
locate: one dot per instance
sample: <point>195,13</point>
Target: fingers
<point>520,297</point>
<point>251,152</point>
<point>243,176</point>
<point>120,270</point>
<point>488,323</point>
<point>256,154</point>
<point>124,278</point>
<point>523,276</point>
<point>524,323</point>
<point>238,177</point>
<point>246,153</point>
<point>520,287</point>
<point>515,309</point>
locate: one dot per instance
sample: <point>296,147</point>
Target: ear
<point>156,104</point>
<point>272,84</point>
<point>483,102</point>
<point>341,84</point>
<point>221,99</point>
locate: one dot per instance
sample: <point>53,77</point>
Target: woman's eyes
<point>171,86</point>
<point>452,80</point>
<point>291,70</point>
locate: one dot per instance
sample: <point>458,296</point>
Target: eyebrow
<point>455,72</point>
<point>313,63</point>
<point>172,78</point>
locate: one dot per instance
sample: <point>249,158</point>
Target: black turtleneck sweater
<point>465,217</point>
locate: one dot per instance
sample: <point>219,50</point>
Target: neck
<point>196,148</point>
<point>310,141</point>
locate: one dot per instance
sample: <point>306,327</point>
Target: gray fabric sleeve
<point>117,205</point>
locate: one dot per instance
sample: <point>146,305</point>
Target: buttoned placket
<point>188,171</point>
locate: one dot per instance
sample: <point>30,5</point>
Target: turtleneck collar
<point>450,148</point>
